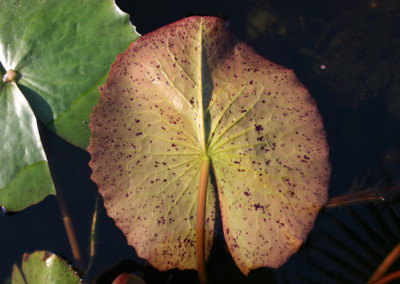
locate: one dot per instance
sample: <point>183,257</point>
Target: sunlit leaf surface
<point>62,51</point>
<point>192,89</point>
<point>24,176</point>
<point>53,57</point>
<point>43,267</point>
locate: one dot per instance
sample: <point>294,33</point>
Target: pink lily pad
<point>192,90</point>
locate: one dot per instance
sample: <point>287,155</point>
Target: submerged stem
<point>73,241</point>
<point>385,265</point>
<point>357,197</point>
<point>93,235</point>
<point>201,213</point>
<point>388,278</point>
<point>69,228</point>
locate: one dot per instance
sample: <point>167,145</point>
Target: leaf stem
<point>73,241</point>
<point>357,197</point>
<point>201,213</point>
<point>93,235</point>
<point>69,228</point>
<point>388,278</point>
<point>386,263</point>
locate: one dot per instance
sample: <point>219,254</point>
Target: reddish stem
<point>73,241</point>
<point>201,213</point>
<point>384,266</point>
<point>388,278</point>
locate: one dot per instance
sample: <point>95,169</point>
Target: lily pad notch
<point>189,96</point>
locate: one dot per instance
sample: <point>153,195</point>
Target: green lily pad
<point>55,55</point>
<point>24,177</point>
<point>62,51</point>
<point>191,92</point>
<point>44,267</point>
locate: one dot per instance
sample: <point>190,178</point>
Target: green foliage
<point>62,57</point>
<point>55,59</point>
<point>43,267</point>
<point>24,175</point>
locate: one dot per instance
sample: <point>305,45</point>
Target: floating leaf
<point>62,51</point>
<point>56,58</point>
<point>189,92</point>
<point>44,267</point>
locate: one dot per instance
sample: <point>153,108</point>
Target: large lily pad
<point>59,53</point>
<point>189,91</point>
<point>43,267</point>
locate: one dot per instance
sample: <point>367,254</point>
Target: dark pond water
<point>347,53</point>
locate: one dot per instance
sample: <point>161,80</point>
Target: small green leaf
<point>24,177</point>
<point>44,267</point>
<point>62,51</point>
<point>188,92</point>
<point>17,276</point>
